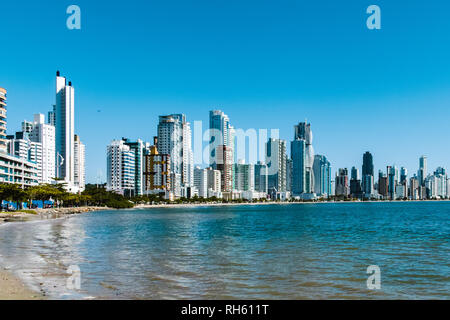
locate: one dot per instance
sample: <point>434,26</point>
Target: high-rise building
<point>368,179</point>
<point>157,172</point>
<point>174,138</point>
<point>355,183</point>
<point>422,173</point>
<point>322,176</point>
<point>341,181</point>
<point>403,174</point>
<point>188,156</point>
<point>224,131</point>
<point>289,171</point>
<point>392,173</point>
<point>261,177</point>
<point>414,188</point>
<point>214,182</point>
<point>201,181</point>
<point>298,154</point>
<point>3,142</point>
<point>437,184</point>
<point>52,116</point>
<point>367,168</point>
<point>302,131</point>
<point>368,184</point>
<point>120,166</point>
<point>43,133</point>
<point>13,169</point>
<point>276,164</point>
<point>63,116</point>
<point>245,176</point>
<point>65,129</point>
<point>224,163</point>
<point>221,133</point>
<point>21,146</point>
<point>139,149</point>
<point>79,164</point>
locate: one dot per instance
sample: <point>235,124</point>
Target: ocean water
<point>296,251</point>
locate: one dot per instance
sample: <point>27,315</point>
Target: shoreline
<point>46,214</point>
<point>219,204</point>
<point>13,288</point>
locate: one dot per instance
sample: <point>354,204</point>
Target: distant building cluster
<point>166,167</point>
<point>44,152</point>
<point>394,183</point>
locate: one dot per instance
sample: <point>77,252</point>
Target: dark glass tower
<point>367,168</point>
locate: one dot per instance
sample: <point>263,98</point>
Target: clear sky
<point>267,64</point>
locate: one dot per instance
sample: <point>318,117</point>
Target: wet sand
<point>12,288</point>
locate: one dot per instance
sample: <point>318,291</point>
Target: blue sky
<point>267,64</point>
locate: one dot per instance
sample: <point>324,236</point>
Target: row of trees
<point>92,196</point>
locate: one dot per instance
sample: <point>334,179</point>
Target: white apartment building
<point>20,146</point>
<point>201,181</point>
<point>214,183</point>
<point>43,133</point>
<point>65,130</point>
<point>120,163</point>
<point>79,164</point>
<point>174,139</point>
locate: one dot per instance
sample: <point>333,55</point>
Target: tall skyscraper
<point>245,176</point>
<point>224,163</point>
<point>45,134</point>
<point>368,175</point>
<point>157,174</point>
<point>64,118</point>
<point>403,174</point>
<point>261,177</point>
<point>289,172</point>
<point>355,183</point>
<point>138,147</point>
<point>221,133</point>
<point>3,141</point>
<point>322,176</point>
<point>392,173</point>
<point>341,183</point>
<point>302,131</point>
<point>422,173</point>
<point>276,164</point>
<point>174,138</point>
<point>79,164</point>
<point>52,116</point>
<point>120,166</point>
<point>298,154</point>
<point>65,129</point>
<point>367,168</point>
<point>219,121</point>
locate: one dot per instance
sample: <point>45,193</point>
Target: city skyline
<point>335,169</point>
<point>386,92</point>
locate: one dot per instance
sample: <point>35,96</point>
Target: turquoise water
<point>298,251</point>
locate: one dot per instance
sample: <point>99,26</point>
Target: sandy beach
<point>44,214</point>
<point>12,288</point>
